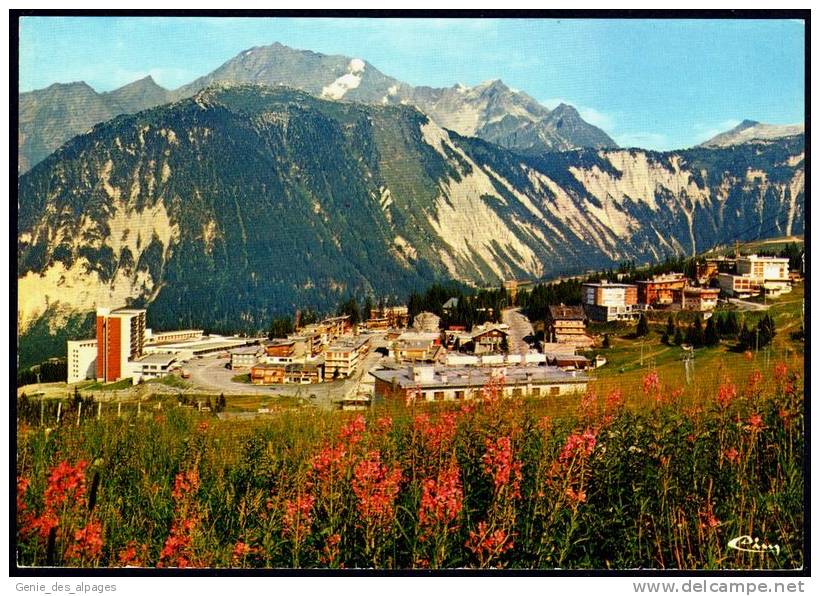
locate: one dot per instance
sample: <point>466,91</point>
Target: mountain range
<point>245,201</point>
<point>492,111</point>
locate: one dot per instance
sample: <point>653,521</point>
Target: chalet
<point>450,305</point>
<point>448,383</point>
<point>488,338</point>
<point>567,325</point>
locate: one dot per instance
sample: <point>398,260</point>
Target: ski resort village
<point>539,340</point>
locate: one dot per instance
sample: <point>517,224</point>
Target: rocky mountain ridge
<point>242,202</point>
<point>49,117</point>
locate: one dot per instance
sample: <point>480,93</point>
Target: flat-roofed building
<point>662,290</point>
<point>337,326</point>
<point>162,337</point>
<point>772,272</point>
<point>120,338</point>
<point>397,316</point>
<point>765,268</point>
<point>268,374</point>
<point>739,286</point>
<point>700,299</point>
<point>415,346</point>
<point>303,373</point>
<point>151,366</point>
<point>186,350</point>
<point>448,383</point>
<point>605,301</point>
<point>342,357</point>
<point>81,359</point>
<point>245,357</point>
<point>307,343</point>
<point>280,351</point>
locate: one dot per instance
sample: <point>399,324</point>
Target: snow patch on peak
<point>350,80</point>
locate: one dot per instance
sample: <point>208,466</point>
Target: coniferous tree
<point>366,308</point>
<point>280,327</point>
<point>350,307</point>
<point>670,326</point>
<point>605,343</point>
<point>710,335</point>
<point>643,326</point>
<point>678,337</point>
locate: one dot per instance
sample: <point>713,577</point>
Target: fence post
<point>59,410</point>
<point>139,408</point>
<point>99,409</point>
<point>119,409</point>
<point>79,412</point>
<point>42,410</point>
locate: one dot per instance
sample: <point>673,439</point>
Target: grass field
<point>629,359</point>
<point>655,475</point>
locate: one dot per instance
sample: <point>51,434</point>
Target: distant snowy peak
<point>750,131</point>
<point>491,110</point>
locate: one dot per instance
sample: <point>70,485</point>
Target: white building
<point>606,301</point>
<point>82,360</point>
<point>152,366</point>
<point>771,272</point>
<point>343,356</point>
<point>446,383</point>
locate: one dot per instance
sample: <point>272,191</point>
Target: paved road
<point>746,305</point>
<point>210,373</point>
<point>520,327</point>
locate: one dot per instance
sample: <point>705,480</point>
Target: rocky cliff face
<point>241,202</point>
<point>50,117</point>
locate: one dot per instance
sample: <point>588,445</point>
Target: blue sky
<point>658,84</point>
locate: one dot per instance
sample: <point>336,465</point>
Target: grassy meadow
<point>656,475</point>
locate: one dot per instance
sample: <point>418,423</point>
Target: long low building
<point>187,350</point>
<point>446,383</point>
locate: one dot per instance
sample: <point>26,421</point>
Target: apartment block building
<point>662,290</point>
<point>605,301</point>
<point>343,356</point>
<point>120,338</point>
<point>81,360</point>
